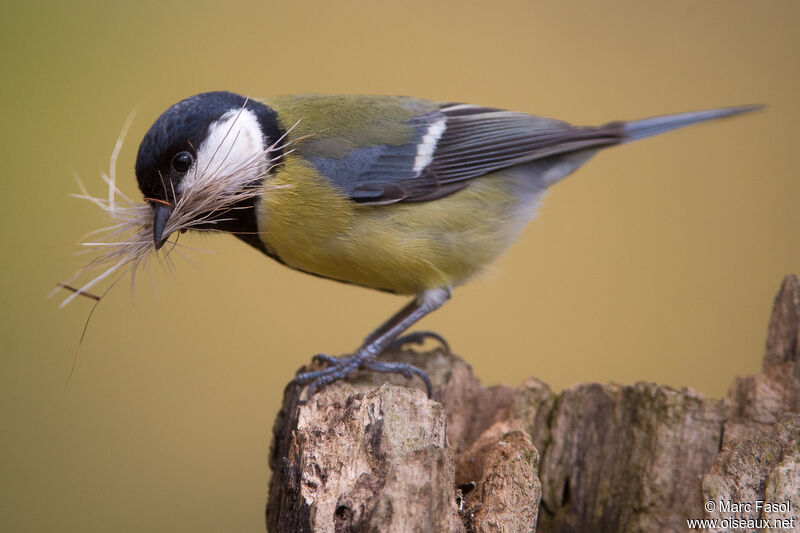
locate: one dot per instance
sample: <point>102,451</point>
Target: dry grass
<point>126,245</point>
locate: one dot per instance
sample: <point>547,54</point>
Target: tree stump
<point>367,455</point>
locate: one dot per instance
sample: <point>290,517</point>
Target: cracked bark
<point>365,455</point>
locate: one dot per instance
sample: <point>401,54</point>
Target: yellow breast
<point>403,248</point>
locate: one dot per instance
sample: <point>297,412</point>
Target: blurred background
<point>657,261</point>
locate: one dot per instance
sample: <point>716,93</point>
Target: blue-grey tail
<point>639,129</point>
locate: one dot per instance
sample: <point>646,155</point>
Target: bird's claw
<point>341,367</point>
<point>325,358</point>
<point>418,338</point>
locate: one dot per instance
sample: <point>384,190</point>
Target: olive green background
<point>656,261</point>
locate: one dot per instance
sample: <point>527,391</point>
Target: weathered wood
<point>760,455</point>
<point>365,455</point>
<point>363,459</point>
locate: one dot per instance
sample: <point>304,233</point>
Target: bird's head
<point>202,160</point>
<point>203,165</point>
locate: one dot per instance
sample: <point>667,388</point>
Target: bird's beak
<point>160,216</point>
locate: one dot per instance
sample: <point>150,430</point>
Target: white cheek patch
<point>234,145</point>
<point>427,145</point>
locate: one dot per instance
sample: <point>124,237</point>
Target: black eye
<point>182,162</point>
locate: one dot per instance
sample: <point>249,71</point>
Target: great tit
<point>399,194</point>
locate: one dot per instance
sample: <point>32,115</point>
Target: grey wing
<point>479,140</point>
<point>384,174</point>
<point>453,145</point>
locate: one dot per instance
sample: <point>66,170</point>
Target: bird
<point>400,194</point>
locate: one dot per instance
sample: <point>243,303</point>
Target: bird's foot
<point>418,338</point>
<point>341,367</point>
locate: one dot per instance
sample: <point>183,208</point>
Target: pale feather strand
<point>128,240</point>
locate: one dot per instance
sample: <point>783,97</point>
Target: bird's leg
<point>395,319</point>
<point>392,322</point>
<point>416,337</point>
<point>382,338</point>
